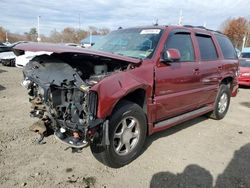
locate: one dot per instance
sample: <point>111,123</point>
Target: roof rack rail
<point>188,26</point>
<point>202,27</point>
<point>192,26</point>
<point>219,32</point>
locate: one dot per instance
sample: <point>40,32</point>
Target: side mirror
<point>171,55</point>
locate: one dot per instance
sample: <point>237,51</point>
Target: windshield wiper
<point>126,55</point>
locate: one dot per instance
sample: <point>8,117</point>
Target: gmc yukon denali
<point>132,83</point>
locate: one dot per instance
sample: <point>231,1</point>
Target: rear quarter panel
<point>230,68</point>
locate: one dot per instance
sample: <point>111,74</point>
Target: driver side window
<point>183,43</point>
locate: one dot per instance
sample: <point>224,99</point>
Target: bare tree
<point>2,34</point>
<point>67,35</point>
<point>236,29</point>
<point>31,35</point>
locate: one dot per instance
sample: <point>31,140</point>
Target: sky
<point>19,16</point>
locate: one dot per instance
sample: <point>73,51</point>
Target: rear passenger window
<point>226,47</point>
<point>207,48</point>
<point>183,43</point>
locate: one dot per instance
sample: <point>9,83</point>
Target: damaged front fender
<point>63,94</point>
<point>114,88</point>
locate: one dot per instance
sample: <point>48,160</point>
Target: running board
<point>183,117</point>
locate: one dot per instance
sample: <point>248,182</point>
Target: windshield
<point>244,63</point>
<point>136,43</point>
<point>245,55</point>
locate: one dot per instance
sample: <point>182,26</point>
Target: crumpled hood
<point>50,72</point>
<point>59,49</point>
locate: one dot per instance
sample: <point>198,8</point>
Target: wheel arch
<point>137,96</point>
<point>228,80</point>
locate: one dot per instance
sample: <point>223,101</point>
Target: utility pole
<point>180,18</point>
<point>38,29</point>
<point>6,37</point>
<point>244,42</point>
<point>90,37</point>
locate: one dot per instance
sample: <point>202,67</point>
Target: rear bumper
<point>235,90</point>
<point>245,81</point>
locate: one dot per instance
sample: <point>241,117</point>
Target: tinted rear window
<point>226,46</point>
<point>207,48</point>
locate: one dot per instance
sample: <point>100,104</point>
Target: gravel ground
<point>199,153</point>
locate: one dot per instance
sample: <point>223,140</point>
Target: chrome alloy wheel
<point>223,103</point>
<point>126,135</point>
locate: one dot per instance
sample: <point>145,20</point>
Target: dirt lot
<point>198,153</point>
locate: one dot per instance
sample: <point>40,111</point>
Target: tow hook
<point>40,128</point>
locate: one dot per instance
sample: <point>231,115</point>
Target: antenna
<point>156,22</point>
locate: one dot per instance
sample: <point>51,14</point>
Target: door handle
<point>197,71</point>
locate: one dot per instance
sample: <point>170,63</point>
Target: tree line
<point>67,35</point>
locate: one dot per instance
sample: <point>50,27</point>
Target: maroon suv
<point>132,83</point>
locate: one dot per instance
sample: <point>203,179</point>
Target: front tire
<point>127,133</point>
<point>221,103</point>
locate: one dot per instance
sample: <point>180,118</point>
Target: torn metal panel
<point>46,71</point>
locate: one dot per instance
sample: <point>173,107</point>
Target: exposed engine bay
<point>60,92</point>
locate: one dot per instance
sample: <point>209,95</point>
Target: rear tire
<point>221,103</point>
<point>127,133</point>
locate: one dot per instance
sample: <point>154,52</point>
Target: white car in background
<point>8,59</point>
<point>6,54</point>
<point>22,60</point>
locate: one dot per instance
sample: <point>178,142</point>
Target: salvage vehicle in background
<point>7,57</point>
<point>132,83</point>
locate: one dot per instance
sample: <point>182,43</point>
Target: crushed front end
<point>62,101</point>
